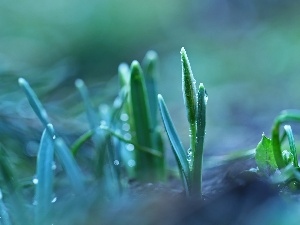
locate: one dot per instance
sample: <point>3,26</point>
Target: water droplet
<point>103,124</point>
<point>104,109</point>
<point>127,136</point>
<point>130,147</point>
<point>35,202</point>
<point>54,200</point>
<point>35,181</point>
<point>116,162</point>
<point>53,137</point>
<point>126,127</point>
<point>131,163</point>
<point>205,97</point>
<point>53,167</point>
<point>117,103</point>
<point>124,117</point>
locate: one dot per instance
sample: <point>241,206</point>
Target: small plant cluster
<point>128,144</point>
<point>281,165</point>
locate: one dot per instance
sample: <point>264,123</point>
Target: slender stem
<point>81,140</point>
<point>139,147</point>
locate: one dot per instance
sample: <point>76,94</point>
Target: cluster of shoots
<point>128,144</point>
<point>126,138</point>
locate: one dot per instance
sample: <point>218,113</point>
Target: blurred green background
<point>247,53</point>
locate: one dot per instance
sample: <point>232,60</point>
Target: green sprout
<point>127,144</point>
<point>190,161</point>
<point>269,154</point>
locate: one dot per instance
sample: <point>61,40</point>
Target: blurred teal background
<point>247,54</point>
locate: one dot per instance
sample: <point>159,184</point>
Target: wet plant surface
<point>117,170</point>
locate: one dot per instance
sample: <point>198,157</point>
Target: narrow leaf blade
<point>179,152</point>
<point>34,102</point>
<point>150,67</point>
<point>71,167</point>
<point>91,114</point>
<point>198,155</point>
<point>145,163</point>
<point>44,187</point>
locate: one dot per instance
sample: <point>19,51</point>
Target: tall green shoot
<point>145,163</point>
<point>190,161</point>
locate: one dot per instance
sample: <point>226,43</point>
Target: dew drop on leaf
<point>35,180</point>
<point>131,163</point>
<point>53,167</point>
<point>116,162</point>
<point>127,136</point>
<point>124,117</point>
<point>126,127</point>
<point>54,200</point>
<point>130,147</point>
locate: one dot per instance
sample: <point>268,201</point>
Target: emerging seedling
<point>269,154</point>
<point>190,161</point>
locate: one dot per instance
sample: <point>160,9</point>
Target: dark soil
<point>231,196</point>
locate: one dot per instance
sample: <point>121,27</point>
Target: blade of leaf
<point>71,167</point>
<point>179,152</point>
<point>150,67</point>
<point>34,102</point>
<point>145,163</point>
<point>91,114</point>
<point>198,156</point>
<point>44,187</point>
<point>124,74</point>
